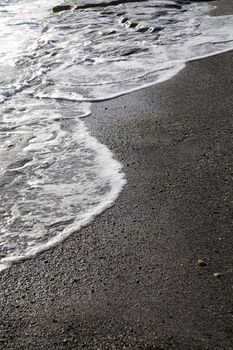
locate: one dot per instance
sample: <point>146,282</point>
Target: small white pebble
<point>201,262</point>
<point>217,274</point>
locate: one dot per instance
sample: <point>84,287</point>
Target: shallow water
<point>54,176</point>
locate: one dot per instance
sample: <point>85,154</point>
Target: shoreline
<point>136,283</point>
<point>155,270</point>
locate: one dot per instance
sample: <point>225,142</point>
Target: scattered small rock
<point>201,263</point>
<point>217,274</point>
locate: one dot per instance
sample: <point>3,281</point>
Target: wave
<point>55,177</point>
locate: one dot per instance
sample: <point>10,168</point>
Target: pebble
<point>217,274</point>
<point>75,280</point>
<point>201,262</point>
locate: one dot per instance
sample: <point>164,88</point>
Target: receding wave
<point>54,176</point>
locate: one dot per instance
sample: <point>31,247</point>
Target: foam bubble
<point>104,59</point>
<point>55,183</point>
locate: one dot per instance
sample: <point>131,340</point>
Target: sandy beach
<point>154,271</point>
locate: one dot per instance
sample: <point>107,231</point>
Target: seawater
<point>54,176</point>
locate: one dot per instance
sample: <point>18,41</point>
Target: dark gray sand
<point>155,271</point>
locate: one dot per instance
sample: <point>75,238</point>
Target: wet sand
<point>154,271</point>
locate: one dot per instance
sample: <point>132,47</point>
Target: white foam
<point>20,22</point>
<point>93,65</point>
<point>19,29</point>
<point>54,176</point>
<point>61,187</point>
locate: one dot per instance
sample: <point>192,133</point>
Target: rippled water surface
<point>55,62</point>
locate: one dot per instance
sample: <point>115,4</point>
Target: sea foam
<point>99,57</point>
<point>54,176</point>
